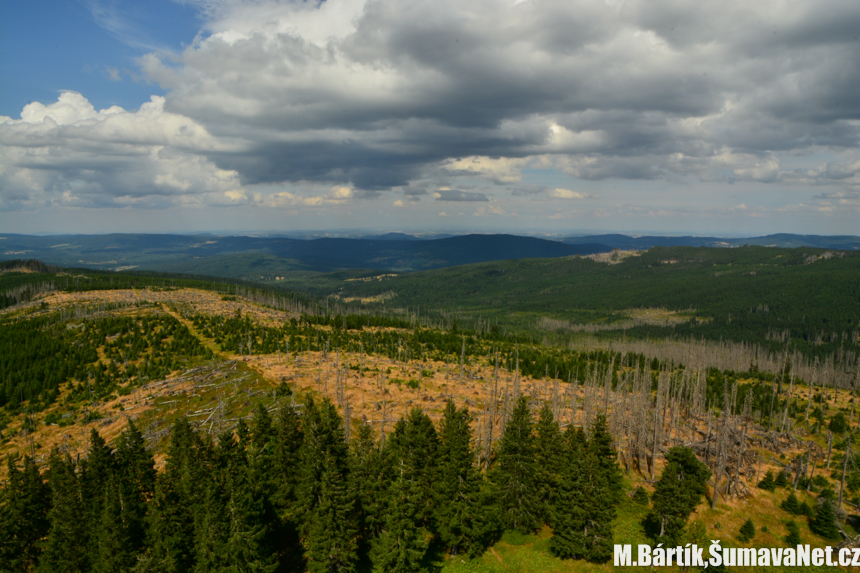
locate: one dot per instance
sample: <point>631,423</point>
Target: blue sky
<point>89,47</point>
<point>590,115</point>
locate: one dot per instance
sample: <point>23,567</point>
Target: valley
<point>109,352</point>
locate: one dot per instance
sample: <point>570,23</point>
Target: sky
<point>723,117</point>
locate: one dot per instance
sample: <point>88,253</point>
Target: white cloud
<point>68,153</point>
<point>499,170</point>
<point>560,193</point>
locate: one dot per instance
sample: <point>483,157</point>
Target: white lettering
<point>747,557</point>
<point>818,557</point>
<point>716,553</point>
<point>697,561</point>
<point>776,556</point>
<point>622,556</point>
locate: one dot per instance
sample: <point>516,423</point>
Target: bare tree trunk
<point>787,402</point>
<point>798,467</point>
<point>848,454</point>
<point>656,432</point>
<point>760,459</point>
<point>811,384</point>
<point>462,357</point>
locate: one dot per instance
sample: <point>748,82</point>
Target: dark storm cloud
<point>413,83</point>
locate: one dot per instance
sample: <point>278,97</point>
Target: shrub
<point>640,496</point>
<point>767,483</point>
<point>838,424</point>
<point>793,537</point>
<point>747,531</point>
<point>791,505</point>
<point>824,523</point>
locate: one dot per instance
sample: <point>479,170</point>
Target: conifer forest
<point>162,423</point>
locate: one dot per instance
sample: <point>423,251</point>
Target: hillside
<point>809,298</point>
<point>161,355</point>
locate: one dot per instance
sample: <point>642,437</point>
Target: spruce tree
<point>213,532</point>
<point>117,547</point>
<point>549,452</point>
<point>134,462</point>
<point>582,526</point>
<point>747,531</point>
<point>600,444</point>
<point>287,460</point>
<point>513,475</point>
<point>95,470</point>
<point>262,450</point>
<point>824,523</point>
<point>767,483</point>
<point>171,527</point>
<point>791,504</point>
<point>327,501</point>
<point>372,472</point>
<point>250,545</point>
<point>571,515</point>
<point>134,480</point>
<point>640,496</point>
<point>677,493</point>
<point>603,483</point>
<point>415,443</point>
<point>331,534</point>
<point>402,543</point>
<point>793,537</point>
<point>460,515</point>
<point>781,480</point>
<point>66,547</point>
<point>24,506</point>
<point>323,447</point>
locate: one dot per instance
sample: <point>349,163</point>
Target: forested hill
<point>783,240</point>
<point>193,254</point>
<point>810,297</point>
<point>23,280</point>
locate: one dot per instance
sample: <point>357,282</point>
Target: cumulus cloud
<point>384,94</point>
<point>560,193</point>
<point>67,153</point>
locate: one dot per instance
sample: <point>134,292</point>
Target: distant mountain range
<point>785,240</point>
<point>265,258</point>
<point>274,255</point>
